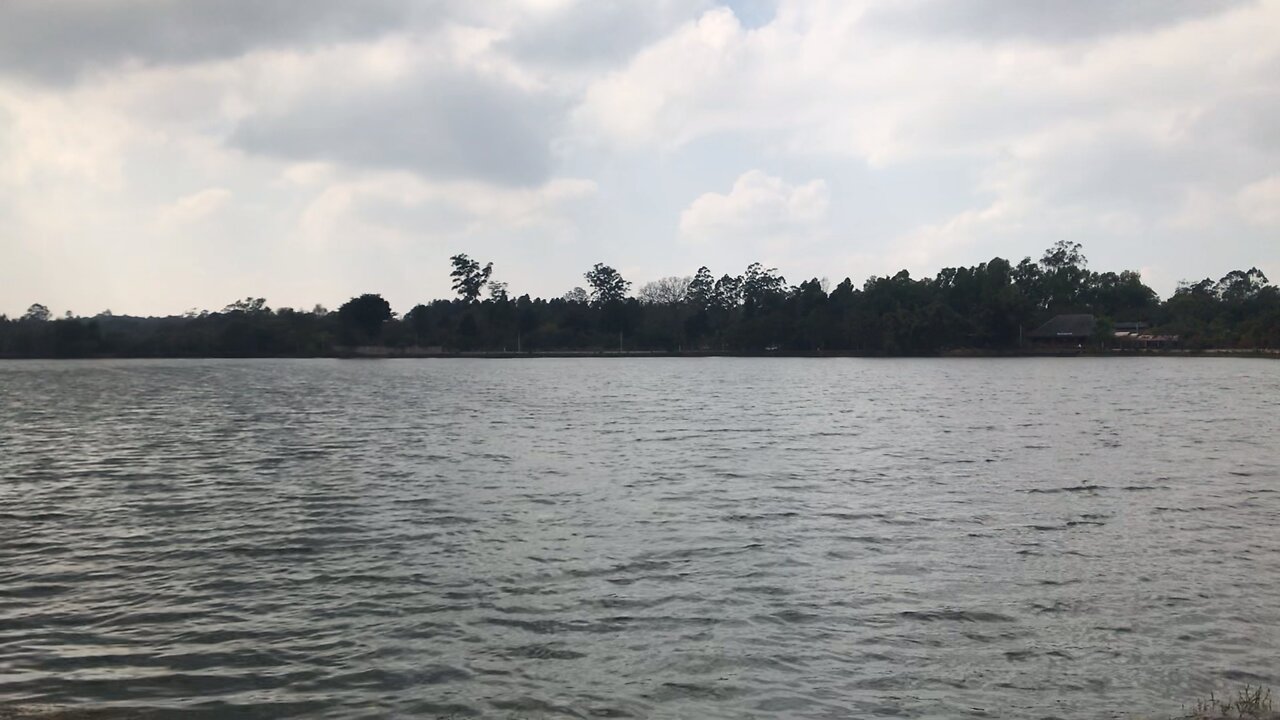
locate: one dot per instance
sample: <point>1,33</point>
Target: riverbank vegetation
<point>990,307</point>
<point>1248,703</point>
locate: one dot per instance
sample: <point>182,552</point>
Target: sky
<point>163,155</point>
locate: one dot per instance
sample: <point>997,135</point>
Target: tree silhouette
<point>607,286</point>
<point>248,306</point>
<point>665,291</point>
<point>726,294</point>
<point>1239,285</point>
<point>700,288</point>
<point>469,278</point>
<point>988,306</point>
<point>761,286</point>
<point>1063,254</point>
<point>366,314</point>
<point>37,313</point>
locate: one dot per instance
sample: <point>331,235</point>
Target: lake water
<point>648,538</point>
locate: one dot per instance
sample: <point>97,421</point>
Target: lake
<point>647,538</point>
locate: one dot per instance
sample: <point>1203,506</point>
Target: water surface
<point>649,538</point>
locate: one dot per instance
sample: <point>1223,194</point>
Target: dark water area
<point>662,538</point>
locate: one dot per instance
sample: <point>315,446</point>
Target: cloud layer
<point>759,209</point>
<point>162,154</point>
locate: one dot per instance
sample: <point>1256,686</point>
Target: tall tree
<point>37,313</point>
<point>761,286</point>
<point>1063,254</point>
<point>1239,285</point>
<point>469,278</point>
<point>700,288</point>
<point>727,292</point>
<point>607,286</point>
<point>1066,276</point>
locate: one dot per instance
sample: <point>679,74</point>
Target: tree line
<point>990,306</point>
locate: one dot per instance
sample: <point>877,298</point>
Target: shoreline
<point>380,353</point>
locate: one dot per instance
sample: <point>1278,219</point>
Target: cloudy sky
<point>160,155</point>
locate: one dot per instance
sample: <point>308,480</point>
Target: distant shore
<point>388,353</point>
<point>960,353</point>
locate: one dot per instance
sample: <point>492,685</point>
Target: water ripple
<point>708,538</point>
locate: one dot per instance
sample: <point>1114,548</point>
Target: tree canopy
<point>606,284</point>
<point>988,306</point>
<point>469,278</point>
<point>366,315</point>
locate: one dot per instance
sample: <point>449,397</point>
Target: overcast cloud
<point>454,125</point>
<point>159,155</point>
<point>1046,20</point>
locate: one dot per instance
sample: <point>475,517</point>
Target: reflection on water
<point>709,538</point>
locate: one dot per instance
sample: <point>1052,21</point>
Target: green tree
<point>469,278</point>
<point>607,286</point>
<point>700,289</point>
<point>1066,276</point>
<point>366,314</point>
<point>248,306</point>
<point>761,287</point>
<point>1240,285</point>
<point>419,319</point>
<point>1028,277</point>
<point>37,313</point>
<point>665,291</point>
<point>1062,255</point>
<point>1121,296</point>
<point>727,293</point>
<point>526,320</point>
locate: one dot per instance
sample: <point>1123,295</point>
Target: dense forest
<point>988,307</point>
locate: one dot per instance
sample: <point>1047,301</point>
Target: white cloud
<point>759,207</point>
<point>669,92</point>
<point>822,80</point>
<point>1259,202</point>
<point>342,208</point>
<point>951,241</point>
<point>192,208</point>
<point>303,161</point>
<point>1056,22</point>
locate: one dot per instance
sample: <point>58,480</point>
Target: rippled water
<point>683,538</point>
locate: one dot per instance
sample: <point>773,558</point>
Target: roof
<point>1068,326</point>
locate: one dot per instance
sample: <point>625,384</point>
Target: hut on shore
<point>1065,331</point>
